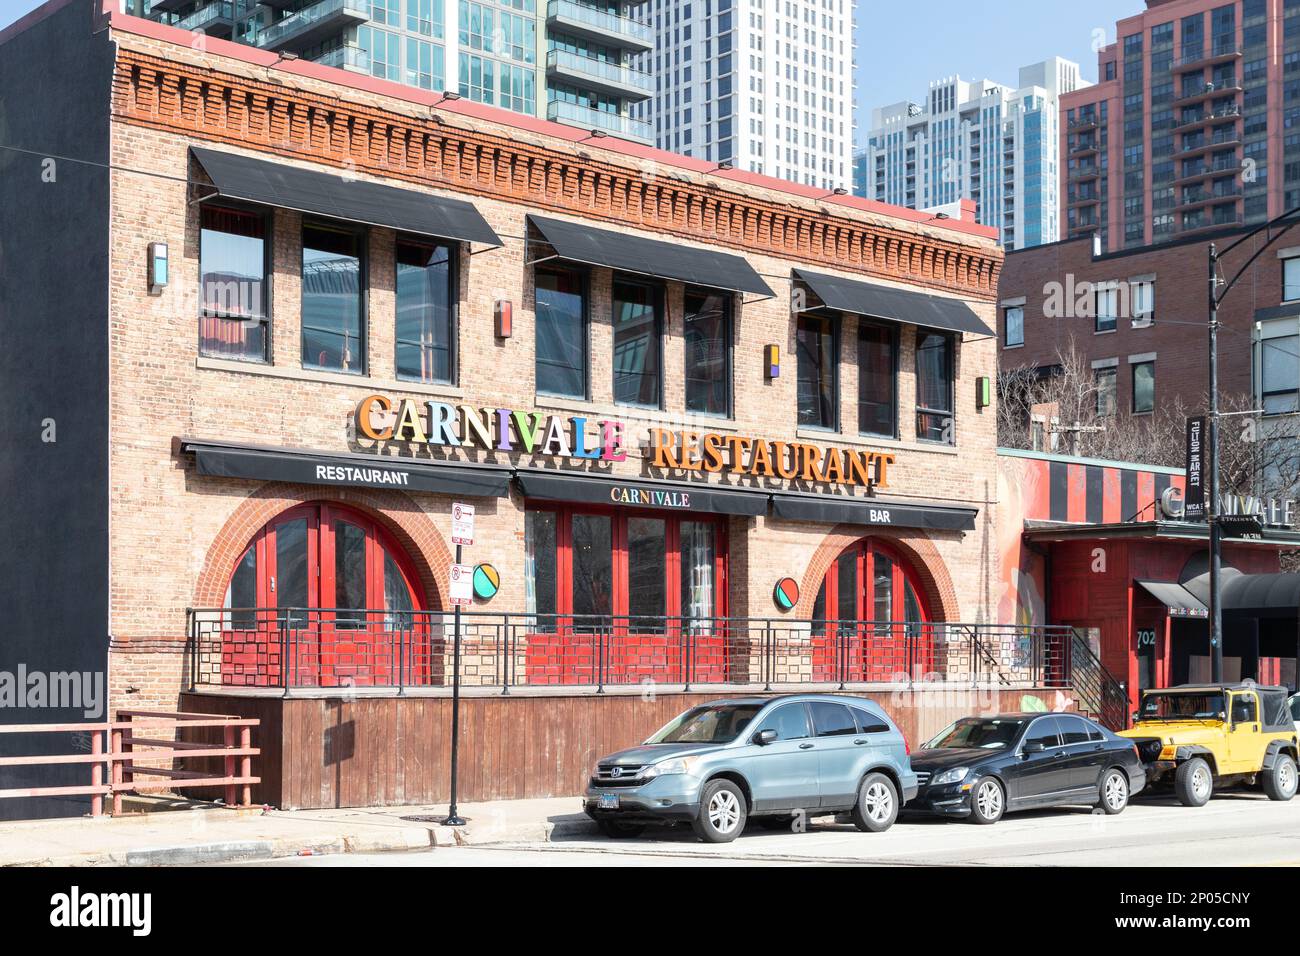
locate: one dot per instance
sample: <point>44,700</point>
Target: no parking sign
<point>462,584</point>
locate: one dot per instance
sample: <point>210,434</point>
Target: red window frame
<point>863,552</point>
<point>619,605</point>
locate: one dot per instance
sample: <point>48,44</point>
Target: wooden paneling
<point>391,751</point>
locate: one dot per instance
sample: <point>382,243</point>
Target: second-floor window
<point>1278,367</point>
<point>1291,278</point>
<point>1106,391</point>
<point>561,332</point>
<point>707,334</point>
<point>817,359</point>
<point>1144,387</point>
<point>1107,313</point>
<point>333,315</point>
<point>426,304</point>
<point>1014,325</point>
<point>934,387</point>
<point>877,379</point>
<point>638,318</point>
<point>233,318</point>
<point>1142,299</point>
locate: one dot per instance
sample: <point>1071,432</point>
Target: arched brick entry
<point>940,594</point>
<point>395,510</point>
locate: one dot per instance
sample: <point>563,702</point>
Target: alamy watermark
<point>57,690</point>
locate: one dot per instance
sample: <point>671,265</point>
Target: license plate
<point>609,801</point>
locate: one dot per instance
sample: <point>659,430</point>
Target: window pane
<point>242,592</point>
<point>1043,731</point>
<point>934,386</point>
<point>232,266</point>
<point>424,310</point>
<point>832,720</point>
<point>1015,325</point>
<point>561,333</point>
<point>882,569</point>
<point>1144,387</point>
<point>816,360</point>
<point>697,559</point>
<point>1073,730</point>
<point>398,603</point>
<point>349,574</point>
<point>331,300</point>
<point>1106,391</point>
<point>647,572</point>
<point>708,352</point>
<point>1291,278</point>
<point>1280,373</point>
<point>539,566</point>
<point>592,566</point>
<point>877,349</point>
<point>637,343</point>
<point>790,721</point>
<point>847,586</point>
<point>290,581</point>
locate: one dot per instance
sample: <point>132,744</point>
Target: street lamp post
<point>1216,294</point>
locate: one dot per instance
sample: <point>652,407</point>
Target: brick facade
<point>176,535</point>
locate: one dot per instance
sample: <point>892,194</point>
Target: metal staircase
<point>1098,693</point>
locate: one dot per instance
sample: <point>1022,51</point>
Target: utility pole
<point>1212,505</point>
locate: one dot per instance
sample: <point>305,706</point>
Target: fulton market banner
<point>1194,497</point>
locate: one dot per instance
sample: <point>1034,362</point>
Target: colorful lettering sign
<point>793,461</point>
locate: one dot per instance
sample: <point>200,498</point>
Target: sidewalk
<point>165,832</point>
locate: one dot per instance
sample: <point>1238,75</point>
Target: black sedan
<point>983,767</point>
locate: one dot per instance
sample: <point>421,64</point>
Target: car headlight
<point>665,767</point>
<point>955,775</point>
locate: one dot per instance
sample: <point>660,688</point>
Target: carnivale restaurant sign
<point>382,419</point>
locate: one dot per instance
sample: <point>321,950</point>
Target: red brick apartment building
<point>274,319</point>
<point>1140,318</point>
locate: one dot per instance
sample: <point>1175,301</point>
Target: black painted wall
<point>54,231</point>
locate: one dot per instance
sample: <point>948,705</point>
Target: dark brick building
<point>1139,317</point>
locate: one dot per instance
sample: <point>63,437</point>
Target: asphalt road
<point>1233,830</point>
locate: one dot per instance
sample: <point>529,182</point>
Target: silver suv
<point>772,758</point>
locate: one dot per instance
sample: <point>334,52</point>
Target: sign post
<point>460,592</point>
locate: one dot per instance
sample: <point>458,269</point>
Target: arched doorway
<point>323,596</point>
<point>870,619</point>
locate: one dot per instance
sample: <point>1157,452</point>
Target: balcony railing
<point>588,118</point>
<point>347,58</point>
<point>214,18</point>
<point>620,80</point>
<point>605,26</point>
<point>323,649</point>
<point>313,23</point>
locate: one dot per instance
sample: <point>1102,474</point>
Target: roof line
<point>1103,462</point>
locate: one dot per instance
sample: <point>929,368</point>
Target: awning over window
<point>667,495</point>
<point>651,257</point>
<point>829,509</point>
<point>323,194</point>
<point>898,305</point>
<point>1175,597</point>
<point>304,466</point>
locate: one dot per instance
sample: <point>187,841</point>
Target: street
<point>1235,829</point>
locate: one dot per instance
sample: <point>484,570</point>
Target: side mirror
<point>1034,747</point>
<point>765,737</point>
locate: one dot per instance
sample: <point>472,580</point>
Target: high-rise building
<point>567,60</point>
<point>1194,126</point>
<point>765,86</point>
<point>976,140</point>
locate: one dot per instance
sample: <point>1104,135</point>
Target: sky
<point>903,46</point>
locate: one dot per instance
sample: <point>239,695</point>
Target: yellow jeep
<point>1203,736</point>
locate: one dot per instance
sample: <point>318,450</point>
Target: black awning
<point>651,257</point>
<point>1175,597</point>
<point>289,187</point>
<point>304,466</point>
<point>668,495</point>
<point>898,305</point>
<point>1262,593</point>
<point>830,509</point>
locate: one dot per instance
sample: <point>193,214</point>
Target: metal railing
<point>284,29</point>
<point>349,650</point>
<point>602,70</point>
<point>588,118</point>
<point>610,23</point>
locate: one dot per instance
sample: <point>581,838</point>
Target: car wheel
<point>1194,783</point>
<point>988,801</point>
<point>1280,779</point>
<point>620,829</point>
<point>1113,792</point>
<point>877,806</point>
<point>722,813</point>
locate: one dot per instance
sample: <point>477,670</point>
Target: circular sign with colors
<point>487,580</point>
<point>786,594</point>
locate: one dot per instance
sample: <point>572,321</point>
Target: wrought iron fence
<point>324,648</point>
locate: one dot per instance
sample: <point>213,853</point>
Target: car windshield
<point>991,733</point>
<point>710,724</point>
<point>1182,706</point>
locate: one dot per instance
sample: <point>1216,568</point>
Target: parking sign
<point>462,584</point>
<point>462,524</point>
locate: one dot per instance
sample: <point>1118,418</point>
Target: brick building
<point>701,414</point>
<point>1140,316</point>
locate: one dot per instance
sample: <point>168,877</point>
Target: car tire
<point>877,806</point>
<point>1194,782</point>
<point>1113,792</point>
<point>988,801</point>
<point>620,829</point>
<point>722,812</point>
<point>1280,779</point>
